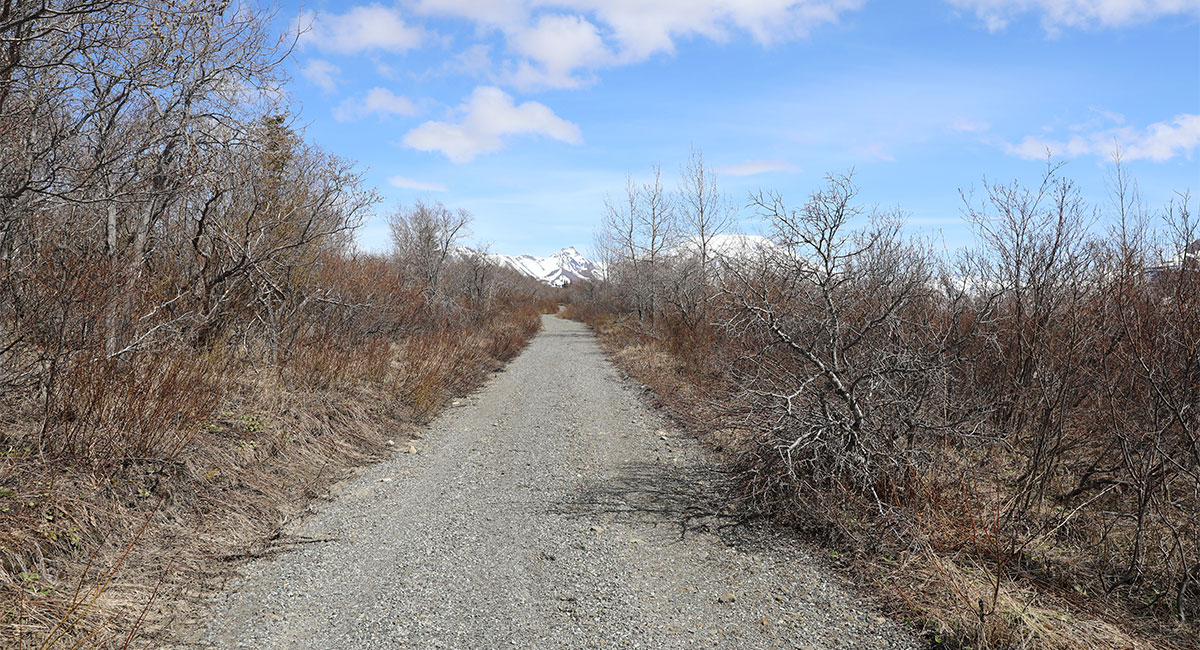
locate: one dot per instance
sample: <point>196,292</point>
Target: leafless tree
<point>145,200</point>
<point>1029,401</point>
<point>424,237</point>
<point>637,237</point>
<point>1035,258</point>
<point>473,276</point>
<point>704,215</point>
<point>840,359</point>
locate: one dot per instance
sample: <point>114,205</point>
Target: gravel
<point>552,509</point>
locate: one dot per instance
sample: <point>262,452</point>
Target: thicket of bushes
<point>190,344</point>
<point>1006,438</point>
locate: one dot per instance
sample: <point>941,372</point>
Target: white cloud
<point>1058,14</point>
<point>754,167</point>
<point>378,101</point>
<point>488,117</point>
<point>1158,142</point>
<point>644,28</point>
<point>362,29</point>
<point>506,14</point>
<point>413,184</point>
<point>551,41</point>
<point>1032,147</point>
<point>1101,116</point>
<point>963,125</point>
<point>475,60</point>
<point>554,48</point>
<point>384,70</point>
<point>322,73</point>
<point>1163,140</point>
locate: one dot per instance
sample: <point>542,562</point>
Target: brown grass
<point>937,569</point>
<point>155,476</point>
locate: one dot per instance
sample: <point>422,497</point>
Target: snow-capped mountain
<point>566,266</point>
<point>1188,257</point>
<point>729,247</point>
<point>569,265</point>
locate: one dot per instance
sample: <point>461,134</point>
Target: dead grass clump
<point>962,606</point>
<point>433,366</point>
<point>322,362</point>
<point>110,411</point>
<point>587,312</point>
<point>506,338</point>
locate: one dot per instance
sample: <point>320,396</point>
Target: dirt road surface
<point>552,509</point>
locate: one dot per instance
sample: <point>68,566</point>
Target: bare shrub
<point>424,237</point>
<point>637,239</point>
<point>843,366</point>
<point>1006,437</point>
<point>188,336</point>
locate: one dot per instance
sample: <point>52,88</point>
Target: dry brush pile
<point>1006,442</point>
<point>191,347</point>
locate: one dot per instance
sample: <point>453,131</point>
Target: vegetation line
<point>190,340</point>
<point>1003,439</point>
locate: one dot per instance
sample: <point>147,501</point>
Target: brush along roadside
<point>178,467</point>
<point>935,557</point>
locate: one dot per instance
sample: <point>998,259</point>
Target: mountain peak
<point>566,266</point>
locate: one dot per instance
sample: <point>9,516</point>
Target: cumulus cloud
<point>504,14</point>
<point>1058,14</point>
<point>321,73</point>
<point>556,43</point>
<point>754,167</point>
<point>554,48</point>
<point>413,184</point>
<point>362,29</point>
<point>487,118</point>
<point>645,28</point>
<point>1158,142</point>
<point>380,102</point>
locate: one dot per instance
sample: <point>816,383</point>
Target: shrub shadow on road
<point>688,499</point>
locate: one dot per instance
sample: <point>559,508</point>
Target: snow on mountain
<point>566,266</point>
<point>1189,254</point>
<point>1188,257</point>
<point>569,265</point>
<point>729,247</point>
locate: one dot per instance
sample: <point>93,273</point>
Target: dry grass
<point>174,470</point>
<point>939,591</point>
<point>932,565</point>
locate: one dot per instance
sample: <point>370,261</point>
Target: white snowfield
<point>731,247</point>
<point>569,265</point>
<point>566,266</point>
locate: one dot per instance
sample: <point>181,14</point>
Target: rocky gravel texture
<point>552,509</point>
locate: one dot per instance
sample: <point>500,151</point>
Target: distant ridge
<point>569,265</point>
<point>560,269</point>
<point>730,247</point>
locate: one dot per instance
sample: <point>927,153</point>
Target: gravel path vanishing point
<point>548,510</point>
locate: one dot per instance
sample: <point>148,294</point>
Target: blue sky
<point>528,112</point>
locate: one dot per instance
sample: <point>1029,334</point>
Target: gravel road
<point>548,510</point>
